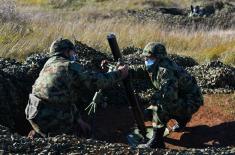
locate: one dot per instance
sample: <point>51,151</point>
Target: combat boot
<point>156,141</point>
<point>33,134</point>
<point>180,126</point>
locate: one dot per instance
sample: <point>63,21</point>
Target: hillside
<point>29,26</point>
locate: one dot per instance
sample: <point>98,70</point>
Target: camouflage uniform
<point>54,104</point>
<point>177,94</point>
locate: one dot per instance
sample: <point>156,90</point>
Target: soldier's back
<point>53,81</point>
<point>187,84</point>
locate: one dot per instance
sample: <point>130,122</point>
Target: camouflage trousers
<point>53,120</point>
<point>49,119</point>
<point>179,110</point>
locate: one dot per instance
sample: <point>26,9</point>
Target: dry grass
<point>201,45</point>
<point>36,34</point>
<point>108,5</point>
<point>32,2</point>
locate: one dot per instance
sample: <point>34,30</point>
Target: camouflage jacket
<point>66,82</point>
<point>171,83</point>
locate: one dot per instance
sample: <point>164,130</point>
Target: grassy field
<point>29,26</point>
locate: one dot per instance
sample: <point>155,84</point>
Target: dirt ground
<point>213,125</point>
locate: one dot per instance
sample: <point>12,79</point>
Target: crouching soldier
<point>53,106</point>
<point>177,95</point>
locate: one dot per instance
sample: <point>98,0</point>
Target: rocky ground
<point>221,15</point>
<point>17,78</point>
<point>64,144</point>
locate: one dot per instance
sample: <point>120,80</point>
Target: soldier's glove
<point>104,66</point>
<point>123,70</point>
<point>120,62</point>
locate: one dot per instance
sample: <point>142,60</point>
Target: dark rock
<point>183,61</point>
<point>216,16</point>
<point>65,144</point>
<point>214,75</point>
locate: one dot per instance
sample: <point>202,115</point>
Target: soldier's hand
<point>124,71</point>
<point>104,65</point>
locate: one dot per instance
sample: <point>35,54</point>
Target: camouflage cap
<point>154,48</point>
<point>60,45</point>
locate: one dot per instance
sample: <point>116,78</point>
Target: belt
<point>54,105</point>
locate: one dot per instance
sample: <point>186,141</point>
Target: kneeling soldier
<point>53,106</point>
<point>177,95</point>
